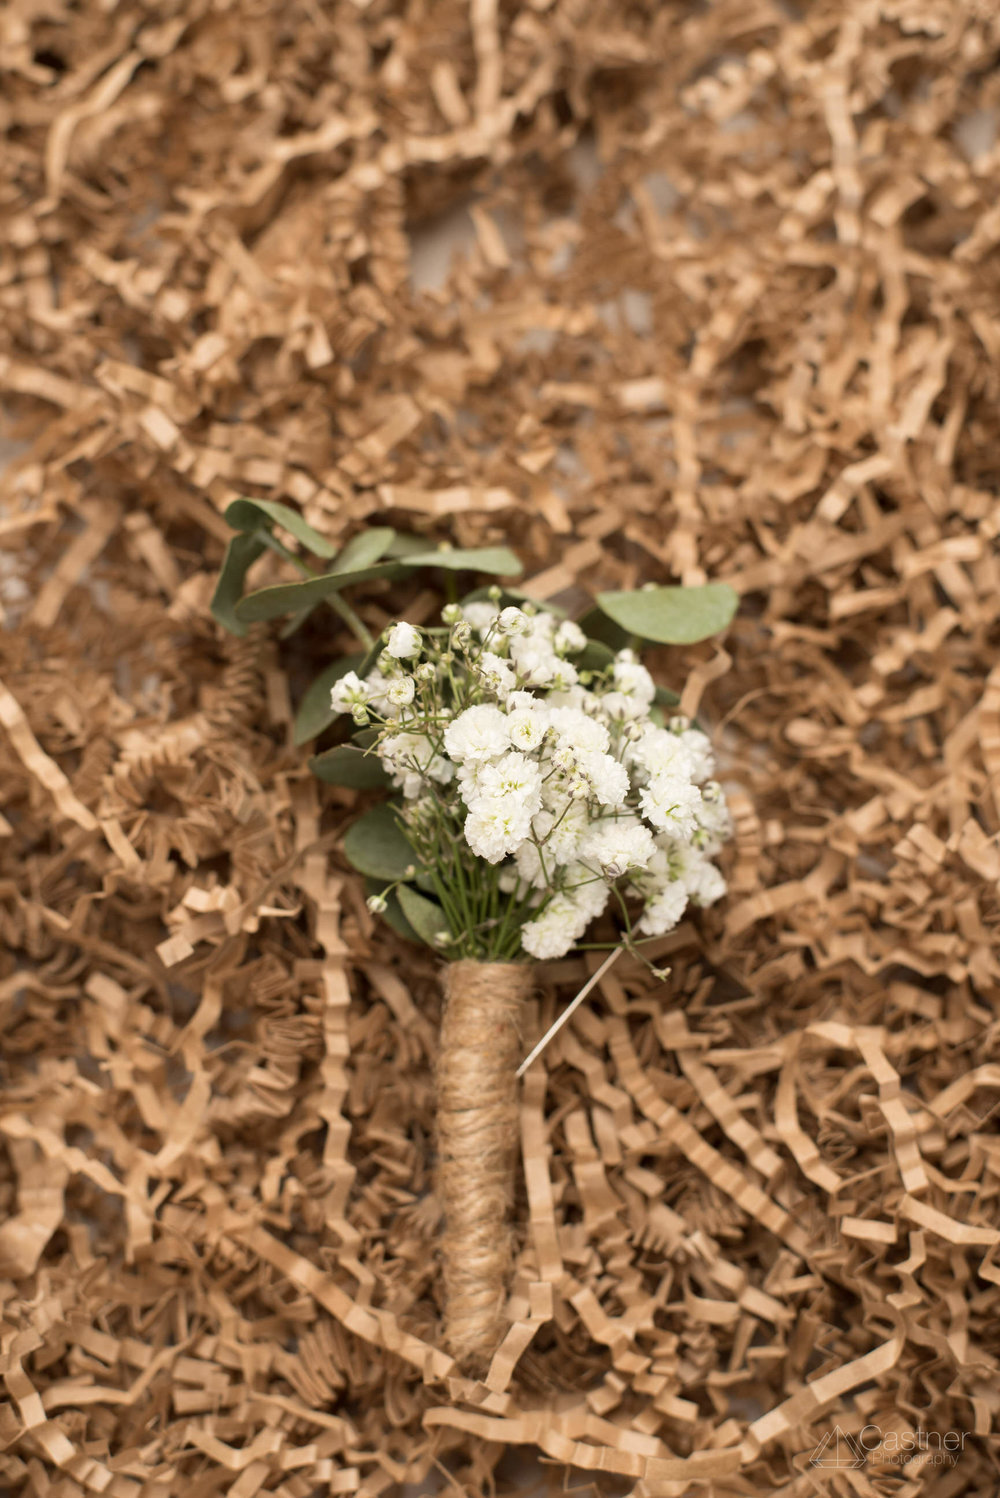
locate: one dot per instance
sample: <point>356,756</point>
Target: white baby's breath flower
<point>564,786</point>
<point>527,726</point>
<point>564,675</point>
<point>403,641</point>
<point>671,804</point>
<point>568,638</point>
<point>400,691</point>
<point>715,824</point>
<point>634,680</point>
<point>514,776</point>
<point>513,621</point>
<point>348,692</point>
<point>617,844</point>
<point>619,707</point>
<point>479,732</point>
<point>552,933</point>
<point>577,730</point>
<point>480,615</point>
<point>535,660</point>
<point>497,674</point>
<point>496,826</point>
<point>699,750</point>
<point>663,910</point>
<point>607,779</point>
<point>658,752</point>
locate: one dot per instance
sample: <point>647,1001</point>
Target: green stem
<point>338,603</point>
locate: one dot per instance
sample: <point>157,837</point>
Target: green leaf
<point>404,545</point>
<point>664,697</point>
<point>315,712</point>
<point>598,627</point>
<point>289,598</point>
<point>494,559</point>
<point>364,549</point>
<point>594,656</point>
<point>252,514</point>
<point>376,845</point>
<point>346,764</point>
<point>241,553</point>
<point>672,616</point>
<point>393,912</point>
<point>426,918</point>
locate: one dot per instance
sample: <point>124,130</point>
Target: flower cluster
<point>536,791</point>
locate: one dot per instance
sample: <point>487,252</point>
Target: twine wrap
<point>477,1146</point>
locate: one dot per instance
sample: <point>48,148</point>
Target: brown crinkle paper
<point>723,304</point>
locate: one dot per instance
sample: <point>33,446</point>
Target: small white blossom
<point>480,615</point>
<point>535,660</point>
<point>400,691</point>
<point>403,641</point>
<point>513,776</point>
<point>616,845</point>
<point>349,692</point>
<point>699,750</point>
<point>634,680</point>
<point>497,674</point>
<point>496,826</point>
<point>479,732</point>
<point>671,804</point>
<point>553,932</point>
<point>607,778</point>
<point>568,638</point>
<point>664,910</point>
<point>527,726</point>
<point>513,621</point>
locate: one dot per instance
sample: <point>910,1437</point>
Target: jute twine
<point>477,1146</point>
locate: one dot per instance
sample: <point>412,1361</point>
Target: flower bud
<point>451,613</point>
<point>376,904</point>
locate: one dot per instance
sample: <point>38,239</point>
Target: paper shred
<point>484,274</point>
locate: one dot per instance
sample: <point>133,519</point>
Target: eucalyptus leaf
<point>426,917</point>
<point>403,546</point>
<point>346,764</point>
<point>499,560</point>
<point>672,616</point>
<point>315,712</point>
<point>393,912</point>
<point>288,598</point>
<point>241,553</point>
<point>376,845</point>
<point>254,514</point>
<point>597,626</point>
<point>365,548</point>
<point>594,656</point>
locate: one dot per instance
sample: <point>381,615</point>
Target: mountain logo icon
<point>838,1449</point>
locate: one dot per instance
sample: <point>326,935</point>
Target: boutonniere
<point>538,779</point>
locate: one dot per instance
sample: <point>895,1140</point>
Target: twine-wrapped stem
<point>477,1146</point>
